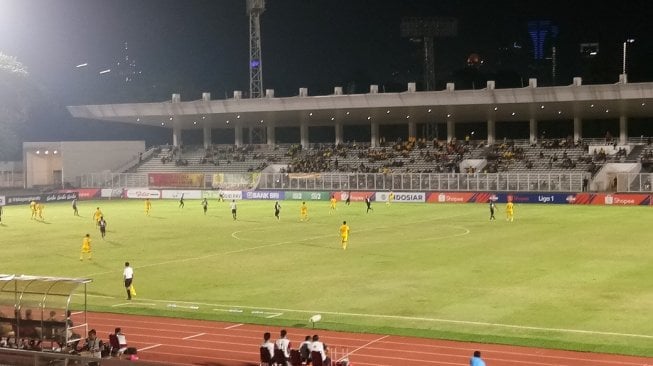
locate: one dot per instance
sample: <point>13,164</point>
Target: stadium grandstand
<point>476,125</point>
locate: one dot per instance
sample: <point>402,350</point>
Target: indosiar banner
<point>307,196</point>
<point>401,196</point>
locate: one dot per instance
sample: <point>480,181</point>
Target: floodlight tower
<point>254,9</point>
<point>426,29</point>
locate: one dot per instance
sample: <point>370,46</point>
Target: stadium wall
<point>80,157</point>
<point>610,199</point>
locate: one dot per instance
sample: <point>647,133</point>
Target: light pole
<point>629,40</point>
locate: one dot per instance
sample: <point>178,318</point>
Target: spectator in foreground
<point>268,344</point>
<point>317,346</point>
<point>476,359</point>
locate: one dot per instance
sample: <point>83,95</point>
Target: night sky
<point>193,46</point>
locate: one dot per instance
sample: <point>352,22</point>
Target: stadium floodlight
<point>82,65</point>
<point>629,40</point>
<point>426,29</point>
<point>105,71</point>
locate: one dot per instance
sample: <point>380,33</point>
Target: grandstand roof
<point>59,286</point>
<point>606,101</point>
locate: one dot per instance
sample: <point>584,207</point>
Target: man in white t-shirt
<point>233,208</point>
<point>267,344</point>
<point>317,346</point>
<point>283,344</point>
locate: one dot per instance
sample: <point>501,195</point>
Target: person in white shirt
<point>283,344</point>
<point>267,344</point>
<point>305,349</point>
<point>317,346</point>
<point>128,276</point>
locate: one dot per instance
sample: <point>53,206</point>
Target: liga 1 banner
<point>176,180</point>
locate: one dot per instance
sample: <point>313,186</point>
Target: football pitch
<point>559,276</point>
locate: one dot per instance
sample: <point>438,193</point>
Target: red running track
<point>173,341</point>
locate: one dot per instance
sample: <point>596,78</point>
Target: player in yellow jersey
<point>97,216</point>
<point>86,247</point>
<point>39,208</point>
<point>148,206</point>
<point>332,204</point>
<point>510,211</point>
<point>32,207</point>
<point>303,212</point>
<point>344,235</point>
<point>391,197</point>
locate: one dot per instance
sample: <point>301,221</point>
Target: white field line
<point>368,344</point>
<point>412,318</point>
<point>133,304</point>
<point>150,347</point>
<point>233,326</point>
<point>194,336</point>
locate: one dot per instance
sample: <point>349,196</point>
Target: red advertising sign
<point>356,196</point>
<point>176,180</point>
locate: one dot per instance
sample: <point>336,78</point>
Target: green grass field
<point>572,277</point>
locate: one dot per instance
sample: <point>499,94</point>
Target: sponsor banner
<point>175,180</point>
<point>84,193</point>
<point>55,197</point>
<point>227,195</point>
<point>111,193</point>
<point>555,198</point>
<point>142,193</point>
<point>191,195</point>
<point>356,196</point>
<point>402,196</point>
<point>19,200</point>
<point>2,201</point>
<point>307,196</point>
<point>451,197</point>
<point>616,199</point>
<point>263,195</point>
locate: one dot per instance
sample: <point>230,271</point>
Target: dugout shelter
<point>35,308</point>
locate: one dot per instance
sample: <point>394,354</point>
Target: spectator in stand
<point>476,359</point>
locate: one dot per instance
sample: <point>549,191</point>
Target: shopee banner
<point>175,180</point>
<point>459,197</point>
<point>355,196</point>
<point>142,193</point>
<point>616,199</point>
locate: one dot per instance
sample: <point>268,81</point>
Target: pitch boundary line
<point>423,319</point>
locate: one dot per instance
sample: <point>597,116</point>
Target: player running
<point>205,205</point>
<point>510,211</point>
<point>97,215</point>
<point>368,202</point>
<point>332,204</point>
<point>277,209</point>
